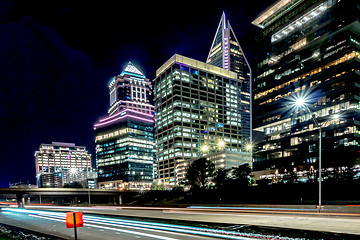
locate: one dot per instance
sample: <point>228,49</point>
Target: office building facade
<point>53,159</point>
<point>226,52</point>
<point>125,145</point>
<point>196,105</point>
<point>310,50</point>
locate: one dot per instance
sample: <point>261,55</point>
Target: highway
<point>99,227</point>
<point>101,223</point>
<point>302,219</point>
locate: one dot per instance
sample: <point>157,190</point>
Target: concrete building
<point>196,105</point>
<point>307,50</point>
<point>125,146</point>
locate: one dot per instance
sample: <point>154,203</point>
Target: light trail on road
<point>107,228</point>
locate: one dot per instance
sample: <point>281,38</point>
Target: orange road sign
<point>73,218</point>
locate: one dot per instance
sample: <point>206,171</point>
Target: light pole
<point>300,102</point>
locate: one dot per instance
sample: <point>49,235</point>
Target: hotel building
<point>53,159</point>
<point>197,105</point>
<point>307,49</point>
<point>125,146</point>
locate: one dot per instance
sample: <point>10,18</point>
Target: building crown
<point>132,70</point>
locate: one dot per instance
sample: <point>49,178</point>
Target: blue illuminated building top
<point>224,21</point>
<point>132,71</point>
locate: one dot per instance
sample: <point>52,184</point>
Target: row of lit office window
<point>306,117</point>
<point>345,58</point>
<point>316,54</point>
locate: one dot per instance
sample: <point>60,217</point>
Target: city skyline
<point>57,60</point>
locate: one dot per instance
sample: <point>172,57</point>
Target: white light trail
<point>110,223</point>
<point>155,227</point>
<point>110,228</point>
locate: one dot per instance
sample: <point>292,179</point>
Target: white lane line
<point>110,228</point>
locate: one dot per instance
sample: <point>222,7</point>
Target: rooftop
<point>197,64</point>
<point>274,11</point>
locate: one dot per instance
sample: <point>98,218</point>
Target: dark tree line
<point>201,174</point>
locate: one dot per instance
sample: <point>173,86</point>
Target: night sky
<point>57,58</point>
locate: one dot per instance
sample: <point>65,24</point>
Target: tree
<point>199,173</point>
<point>156,186</point>
<point>73,185</point>
<point>241,174</point>
<point>221,177</point>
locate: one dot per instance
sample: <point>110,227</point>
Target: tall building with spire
<point>125,145</point>
<point>226,53</point>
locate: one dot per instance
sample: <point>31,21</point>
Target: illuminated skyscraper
<point>226,53</point>
<point>198,107</point>
<point>125,146</point>
<point>130,90</point>
<point>307,49</point>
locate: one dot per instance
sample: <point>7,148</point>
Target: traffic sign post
<point>74,220</point>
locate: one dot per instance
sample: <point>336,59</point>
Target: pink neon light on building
<point>119,118</point>
<point>131,110</point>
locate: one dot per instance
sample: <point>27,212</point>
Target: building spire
<point>220,54</point>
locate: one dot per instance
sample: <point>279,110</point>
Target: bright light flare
<point>335,116</point>
<point>221,144</point>
<point>249,147</point>
<point>204,148</point>
<point>300,102</point>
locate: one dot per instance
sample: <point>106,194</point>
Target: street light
<point>300,102</point>
<point>221,144</point>
<point>249,147</point>
<point>204,148</point>
<point>210,148</point>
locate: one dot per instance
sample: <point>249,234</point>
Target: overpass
<point>21,193</point>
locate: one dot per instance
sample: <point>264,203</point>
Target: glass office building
<point>226,52</point>
<point>196,105</point>
<point>307,49</point>
<point>125,146</point>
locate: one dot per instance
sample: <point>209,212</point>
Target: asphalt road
<point>303,220</point>
<point>100,227</point>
